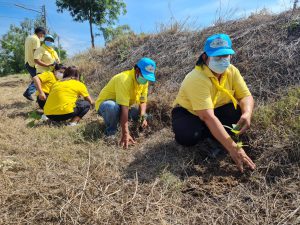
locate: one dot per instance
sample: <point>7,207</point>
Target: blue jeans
<point>31,87</point>
<point>110,111</point>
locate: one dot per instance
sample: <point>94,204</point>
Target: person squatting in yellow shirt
<point>32,43</point>
<point>213,94</point>
<point>122,91</point>
<point>44,82</point>
<point>63,104</point>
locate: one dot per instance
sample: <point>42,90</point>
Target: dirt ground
<point>72,175</point>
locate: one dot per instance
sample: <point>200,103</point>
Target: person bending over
<point>63,104</point>
<point>44,82</point>
<point>122,91</point>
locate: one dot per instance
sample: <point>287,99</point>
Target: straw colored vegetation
<point>71,175</point>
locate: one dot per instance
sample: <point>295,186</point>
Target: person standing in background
<point>32,43</point>
<point>45,57</point>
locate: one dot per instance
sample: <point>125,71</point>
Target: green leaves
<point>234,129</point>
<point>35,117</point>
<point>97,12</point>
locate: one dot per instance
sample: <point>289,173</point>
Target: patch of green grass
<point>278,124</point>
<point>284,112</point>
<point>170,181</point>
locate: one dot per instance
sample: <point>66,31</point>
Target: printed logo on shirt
<point>149,69</point>
<point>219,42</point>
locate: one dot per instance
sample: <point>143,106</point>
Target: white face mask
<point>59,75</point>
<point>42,39</point>
<point>219,65</point>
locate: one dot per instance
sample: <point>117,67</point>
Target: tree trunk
<point>91,30</point>
<point>295,4</point>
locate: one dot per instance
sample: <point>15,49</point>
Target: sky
<point>142,16</point>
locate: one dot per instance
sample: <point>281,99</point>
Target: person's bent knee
<point>187,140</point>
<point>110,107</point>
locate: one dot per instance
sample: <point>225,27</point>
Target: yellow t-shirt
<point>32,43</point>
<point>42,54</point>
<point>47,80</point>
<point>63,96</point>
<point>124,89</point>
<point>197,90</point>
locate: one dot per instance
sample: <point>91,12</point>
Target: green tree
<point>111,33</point>
<point>12,48</point>
<point>100,12</point>
<point>62,54</point>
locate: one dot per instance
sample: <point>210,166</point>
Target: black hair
<point>59,67</point>
<point>71,71</point>
<point>201,61</point>
<point>136,67</point>
<point>49,39</point>
<point>39,30</point>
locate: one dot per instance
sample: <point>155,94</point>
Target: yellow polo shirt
<point>124,90</point>
<point>32,43</point>
<point>197,90</point>
<point>42,54</point>
<point>63,96</point>
<point>47,79</point>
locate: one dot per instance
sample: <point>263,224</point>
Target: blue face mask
<point>219,65</point>
<point>141,80</point>
<point>49,44</point>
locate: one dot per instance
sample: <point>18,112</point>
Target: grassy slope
<point>68,175</point>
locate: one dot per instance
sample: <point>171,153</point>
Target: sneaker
<point>28,96</point>
<point>72,124</point>
<point>44,117</point>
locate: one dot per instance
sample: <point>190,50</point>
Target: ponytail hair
<point>201,60</point>
<point>71,72</point>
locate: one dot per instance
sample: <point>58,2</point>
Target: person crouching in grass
<point>62,103</point>
<point>122,91</point>
<point>44,82</point>
<point>212,95</point>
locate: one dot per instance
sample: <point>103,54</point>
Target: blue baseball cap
<point>147,67</point>
<point>49,36</point>
<point>218,44</point>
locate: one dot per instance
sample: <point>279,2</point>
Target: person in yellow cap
<point>45,56</point>
<point>32,43</point>
<point>122,91</point>
<point>212,95</point>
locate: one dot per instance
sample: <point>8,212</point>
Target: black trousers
<point>82,107</point>
<point>190,129</point>
<point>40,102</point>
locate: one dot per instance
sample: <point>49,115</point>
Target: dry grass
<point>70,175</point>
<point>64,175</point>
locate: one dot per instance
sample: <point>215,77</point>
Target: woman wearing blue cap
<point>212,95</point>
<point>45,56</point>
<point>122,91</point>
